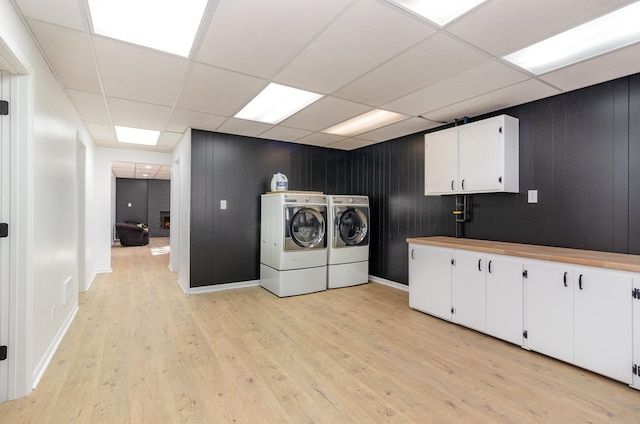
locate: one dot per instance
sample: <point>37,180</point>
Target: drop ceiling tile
<point>138,73</point>
<point>168,140</point>
<point>123,169</point>
<point>60,12</point>
<point>364,37</point>
<point>102,132</point>
<point>599,69</point>
<point>243,127</point>
<point>218,91</point>
<point>399,129</point>
<point>279,30</point>
<point>320,139</point>
<point>502,26</point>
<point>350,144</point>
<point>325,113</point>
<point>181,119</point>
<point>138,115</point>
<point>474,82</point>
<point>280,133</point>
<point>69,53</point>
<point>516,94</point>
<point>430,61</point>
<point>91,106</point>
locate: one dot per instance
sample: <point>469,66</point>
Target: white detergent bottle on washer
<point>279,182</point>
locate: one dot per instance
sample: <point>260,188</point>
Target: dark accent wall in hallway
<point>580,150</point>
<point>225,244</point>
<point>134,192</point>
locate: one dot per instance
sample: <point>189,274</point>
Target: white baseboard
<point>227,286</point>
<point>46,359</point>
<point>389,283</point>
<point>91,279</point>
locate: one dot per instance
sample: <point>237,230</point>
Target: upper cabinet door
<point>441,162</point>
<point>480,156</point>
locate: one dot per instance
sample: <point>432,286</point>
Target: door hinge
<point>3,353</point>
<point>525,274</point>
<point>525,334</point>
<point>4,107</point>
<point>4,230</point>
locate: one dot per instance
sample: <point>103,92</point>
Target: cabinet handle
<point>463,184</point>
<point>452,188</point>
<point>479,262</point>
<point>489,268</point>
<point>564,279</point>
<point>580,281</point>
<point>412,251</point>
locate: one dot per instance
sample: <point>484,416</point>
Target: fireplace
<point>165,220</point>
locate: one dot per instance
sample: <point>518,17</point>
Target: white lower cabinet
<point>430,279</point>
<point>505,298</point>
<point>469,290</point>
<point>549,303</point>
<point>581,315</point>
<point>602,322</point>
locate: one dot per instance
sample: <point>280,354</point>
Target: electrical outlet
<point>223,204</point>
<point>533,196</point>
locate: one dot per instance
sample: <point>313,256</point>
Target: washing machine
<point>348,238</point>
<point>293,243</point>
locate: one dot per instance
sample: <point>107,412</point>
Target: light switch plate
<point>533,196</point>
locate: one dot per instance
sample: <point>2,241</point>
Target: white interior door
<point>4,242</point>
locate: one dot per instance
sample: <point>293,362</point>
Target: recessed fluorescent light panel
<point>438,11</point>
<point>276,103</point>
<point>369,121</point>
<point>137,136</point>
<point>170,26</point>
<point>609,32</point>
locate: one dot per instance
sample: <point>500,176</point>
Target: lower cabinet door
<point>603,324</point>
<point>549,302</point>
<point>469,306</point>
<point>430,279</point>
<point>505,298</point>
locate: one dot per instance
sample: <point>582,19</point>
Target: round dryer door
<point>353,227</point>
<point>307,228</point>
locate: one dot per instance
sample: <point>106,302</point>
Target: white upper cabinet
<point>480,157</point>
<point>441,171</point>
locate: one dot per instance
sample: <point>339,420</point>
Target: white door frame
<point>5,189</point>
<point>18,84</point>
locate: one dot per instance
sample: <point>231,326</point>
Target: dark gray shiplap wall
<point>580,150</point>
<point>225,244</point>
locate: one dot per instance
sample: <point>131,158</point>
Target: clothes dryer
<point>293,245</point>
<point>348,237</point>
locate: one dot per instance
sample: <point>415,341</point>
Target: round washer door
<point>353,227</point>
<point>306,228</point>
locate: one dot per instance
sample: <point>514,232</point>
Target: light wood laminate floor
<point>141,351</point>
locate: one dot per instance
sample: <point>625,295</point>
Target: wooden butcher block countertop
<point>608,260</point>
